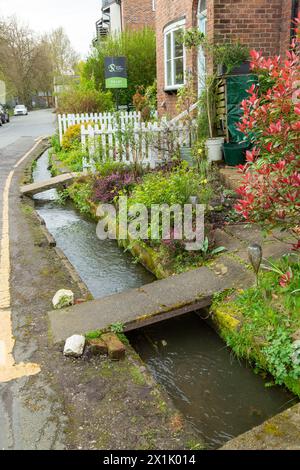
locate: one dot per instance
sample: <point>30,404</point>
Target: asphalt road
<point>37,123</point>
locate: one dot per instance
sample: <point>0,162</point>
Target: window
<point>174,56</point>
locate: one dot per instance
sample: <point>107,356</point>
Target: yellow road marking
<point>9,370</point>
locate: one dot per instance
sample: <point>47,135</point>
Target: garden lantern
<point>255,257</point>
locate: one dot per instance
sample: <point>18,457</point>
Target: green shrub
<point>111,166</point>
<point>55,144</point>
<point>81,193</point>
<point>171,188</point>
<point>71,137</point>
<point>270,318</point>
<point>84,98</point>
<point>139,48</point>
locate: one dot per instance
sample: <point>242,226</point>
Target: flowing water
<point>219,395</point>
<point>103,266</point>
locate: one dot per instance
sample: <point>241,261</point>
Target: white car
<point>20,110</point>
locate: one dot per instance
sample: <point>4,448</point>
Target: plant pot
<point>186,155</point>
<point>235,153</point>
<point>214,149</point>
<point>242,69</point>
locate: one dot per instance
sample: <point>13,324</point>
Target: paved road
<point>17,137</point>
<point>37,123</point>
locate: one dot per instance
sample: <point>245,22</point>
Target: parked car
<point>20,110</point>
<point>4,116</point>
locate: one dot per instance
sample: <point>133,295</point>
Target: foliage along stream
<point>218,394</point>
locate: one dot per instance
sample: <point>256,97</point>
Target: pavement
<point>16,139</point>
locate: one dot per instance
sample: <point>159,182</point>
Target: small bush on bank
<point>111,166</point>
<point>175,187</point>
<point>270,323</point>
<point>72,159</point>
<point>81,193</point>
<point>71,137</point>
<point>108,188</point>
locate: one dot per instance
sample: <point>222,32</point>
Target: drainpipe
<point>119,2</point>
<point>294,14</point>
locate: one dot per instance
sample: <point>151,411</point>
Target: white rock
<point>63,298</point>
<point>74,346</point>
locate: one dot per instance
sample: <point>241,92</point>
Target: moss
<point>93,334</point>
<point>238,259</point>
<point>293,385</point>
<point>27,209</point>
<point>103,440</point>
<point>137,376</point>
<point>272,429</point>
<point>227,317</point>
<point>106,369</point>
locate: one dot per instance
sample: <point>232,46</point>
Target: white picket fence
<point>147,143</point>
<point>101,119</point>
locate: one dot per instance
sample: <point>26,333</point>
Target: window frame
<point>202,13</point>
<point>170,30</point>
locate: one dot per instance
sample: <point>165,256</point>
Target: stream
<point>220,396</point>
<point>102,265</point>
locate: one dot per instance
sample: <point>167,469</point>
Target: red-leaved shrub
<point>270,194</point>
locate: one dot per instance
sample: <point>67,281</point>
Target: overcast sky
<point>77,17</point>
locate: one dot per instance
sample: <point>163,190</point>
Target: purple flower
<point>108,187</point>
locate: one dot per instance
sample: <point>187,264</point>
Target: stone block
<point>98,347</point>
<point>116,349</point>
<point>74,346</point>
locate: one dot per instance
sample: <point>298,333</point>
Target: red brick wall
<point>256,23</point>
<point>261,24</point>
<point>137,14</point>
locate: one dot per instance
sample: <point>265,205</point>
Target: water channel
<point>219,395</point>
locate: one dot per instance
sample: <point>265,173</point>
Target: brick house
<point>119,15</point>
<point>265,25</point>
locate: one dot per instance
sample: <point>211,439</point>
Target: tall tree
<point>29,63</point>
<point>64,58</point>
<point>18,56</point>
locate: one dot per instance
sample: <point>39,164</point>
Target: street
<point>36,124</point>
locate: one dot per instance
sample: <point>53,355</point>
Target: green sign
<point>115,72</point>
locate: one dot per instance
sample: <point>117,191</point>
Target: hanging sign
<point>115,72</point>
